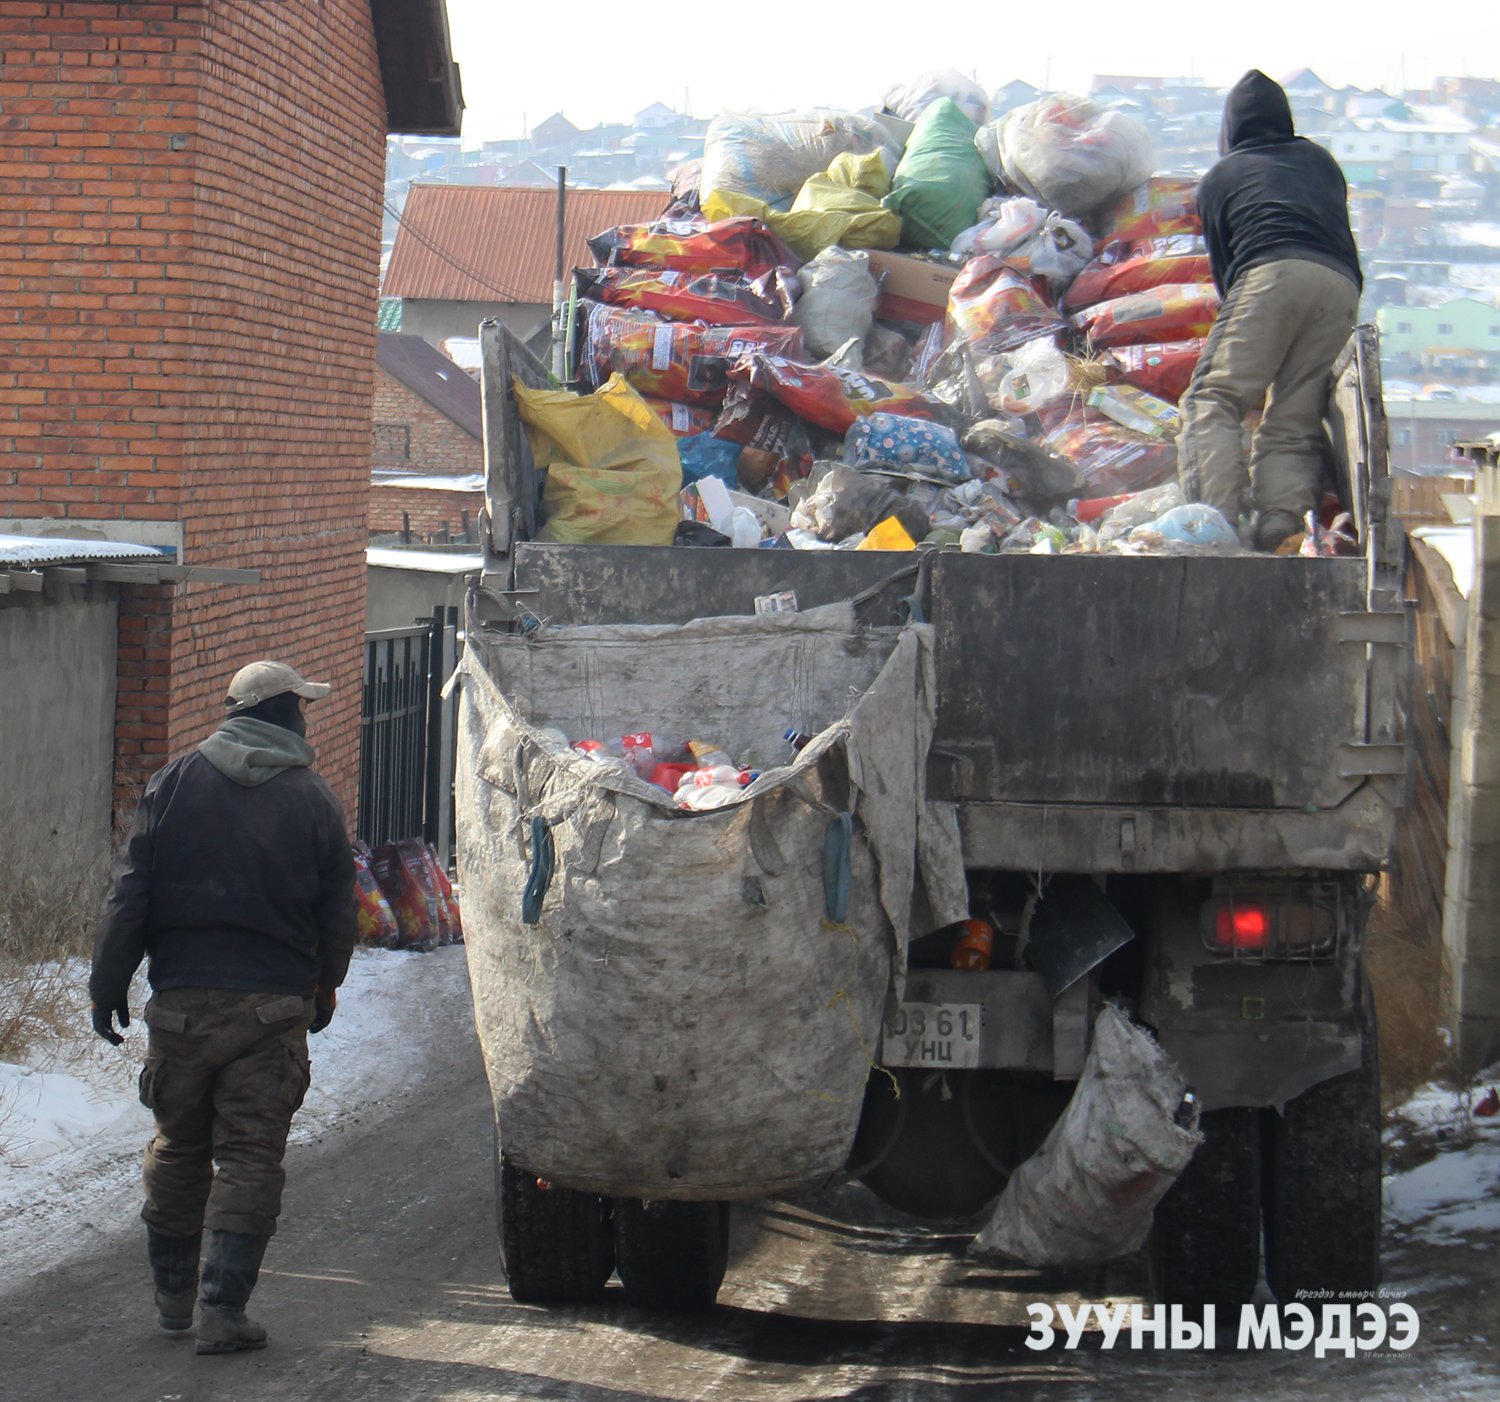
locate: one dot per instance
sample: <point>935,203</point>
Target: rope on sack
<point>842,997</point>
<point>543,859</point>
<point>837,845</point>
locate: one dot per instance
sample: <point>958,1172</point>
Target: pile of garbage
<point>910,328</point>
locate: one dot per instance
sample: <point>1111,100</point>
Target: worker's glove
<point>103,1019</point>
<point>326,1000</point>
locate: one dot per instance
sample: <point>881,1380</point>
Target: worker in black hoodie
<point>1276,220</point>
<point>237,884</point>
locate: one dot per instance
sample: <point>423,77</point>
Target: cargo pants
<point>225,1072</point>
<point>1277,335</point>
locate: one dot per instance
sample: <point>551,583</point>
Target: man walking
<point>237,882</point>
<point>1276,220</point>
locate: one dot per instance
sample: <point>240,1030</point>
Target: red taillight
<point>1242,927</point>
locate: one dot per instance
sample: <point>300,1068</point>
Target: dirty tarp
<point>1089,1193</point>
<point>684,1021</point>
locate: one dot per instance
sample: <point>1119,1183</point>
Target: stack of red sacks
<point>419,908</point>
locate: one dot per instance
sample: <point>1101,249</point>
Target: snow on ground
<point>1455,1193</point>
<point>72,1130</point>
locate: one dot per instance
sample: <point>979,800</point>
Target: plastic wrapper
<point>1033,240</point>
<point>1110,459</point>
<point>841,205</point>
<point>909,100</point>
<point>1136,409</point>
<point>744,246</point>
<point>683,419</point>
<point>1122,514</point>
<point>1039,374</point>
<point>402,871</point>
<point>1068,153</point>
<point>1175,312</point>
<point>1324,542</point>
<point>928,449</point>
<point>377,922</point>
<point>770,157</point>
<point>1192,523</point>
<point>942,179</point>
<point>1162,205</point>
<point>993,307</point>
<point>1161,368</point>
<point>1124,269</point>
<point>613,471</point>
<point>828,396</point>
<point>447,895</point>
<point>719,299</point>
<point>847,502</point>
<point>682,361</point>
<point>837,302</point>
<point>703,455</point>
<point>1035,470</point>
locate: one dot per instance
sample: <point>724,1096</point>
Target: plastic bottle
<point>707,796</point>
<point>974,946</point>
<point>707,754</point>
<point>640,752</point>
<point>797,739</point>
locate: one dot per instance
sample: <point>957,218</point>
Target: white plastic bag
<point>1033,240</point>
<point>909,100</point>
<point>1089,1193</point>
<point>837,303</point>
<point>1038,375</point>
<point>1068,152</point>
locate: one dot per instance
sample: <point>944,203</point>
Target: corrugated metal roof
<point>426,371</point>
<point>487,243</point>
<point>28,552</point>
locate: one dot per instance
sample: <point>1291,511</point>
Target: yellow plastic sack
<point>839,205</point>
<point>613,472</point>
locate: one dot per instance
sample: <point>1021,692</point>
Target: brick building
<point>189,269</point>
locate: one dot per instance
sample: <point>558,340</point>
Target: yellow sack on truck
<point>612,467</point>
<point>839,205</point>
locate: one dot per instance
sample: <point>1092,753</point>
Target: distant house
<point>1459,335</point>
<point>467,252</point>
<point>655,117</point>
<point>1016,93</point>
<point>557,133</point>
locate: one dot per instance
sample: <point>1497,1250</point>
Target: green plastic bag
<point>942,179</point>
<point>613,472</point>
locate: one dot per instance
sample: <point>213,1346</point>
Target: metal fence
<point>406,734</point>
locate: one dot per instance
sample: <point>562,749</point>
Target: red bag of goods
<point>1175,312</point>
<point>678,360</point>
<point>994,307</point>
<point>1162,369</point>
<point>741,245</point>
<point>409,887</point>
<point>377,922</point>
<point>1165,204</point>
<point>1109,459</point>
<point>1124,269</point>
<point>775,450</point>
<point>445,892</point>
<point>828,395</point>
<point>719,299</point>
<point>683,419</point>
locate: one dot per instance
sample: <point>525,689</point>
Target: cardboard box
<point>913,289</point>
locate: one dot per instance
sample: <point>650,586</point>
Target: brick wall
<point>431,441</point>
<point>430,514</point>
<point>189,238</point>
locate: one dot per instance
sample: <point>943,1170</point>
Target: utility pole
<point>558,295</point>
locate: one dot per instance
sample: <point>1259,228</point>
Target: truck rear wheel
<point>556,1244</point>
<point>1205,1240</point>
<point>671,1255</point>
<point>1323,1185</point>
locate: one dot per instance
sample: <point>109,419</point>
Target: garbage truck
<point>1165,782</point>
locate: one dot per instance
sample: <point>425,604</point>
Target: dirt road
<point>385,1286</point>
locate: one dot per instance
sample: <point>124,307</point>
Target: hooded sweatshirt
<point>237,873</point>
<point>1273,194</point>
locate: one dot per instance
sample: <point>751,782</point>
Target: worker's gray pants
<point>225,1072</point>
<point>1277,335</point>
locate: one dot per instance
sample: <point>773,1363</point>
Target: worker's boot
<point>229,1275</point>
<point>174,1272</point>
<point>1273,527</point>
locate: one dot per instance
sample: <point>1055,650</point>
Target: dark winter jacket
<point>237,874</point>
<point>1273,195</point>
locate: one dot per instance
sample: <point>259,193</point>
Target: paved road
<point>385,1286</point>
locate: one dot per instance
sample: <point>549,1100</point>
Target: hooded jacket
<point>237,873</point>
<point>1273,194</point>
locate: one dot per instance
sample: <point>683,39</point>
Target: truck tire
<point>671,1255</point>
<point>555,1244</point>
<point>1323,1185</point>
<point>1205,1240</point>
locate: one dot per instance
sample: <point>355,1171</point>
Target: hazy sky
<point>521,63</point>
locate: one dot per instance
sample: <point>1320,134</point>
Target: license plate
<point>932,1034</point>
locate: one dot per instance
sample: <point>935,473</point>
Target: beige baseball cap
<point>260,681</point>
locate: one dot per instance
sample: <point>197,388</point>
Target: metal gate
<point>407,734</point>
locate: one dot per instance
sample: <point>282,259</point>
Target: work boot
<point>229,1275</point>
<point>1273,527</point>
<point>174,1272</point>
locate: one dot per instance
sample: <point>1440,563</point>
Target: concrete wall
<point>57,717</point>
<point>396,598</point>
<point>435,321</point>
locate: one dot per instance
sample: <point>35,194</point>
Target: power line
<point>447,257</point>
